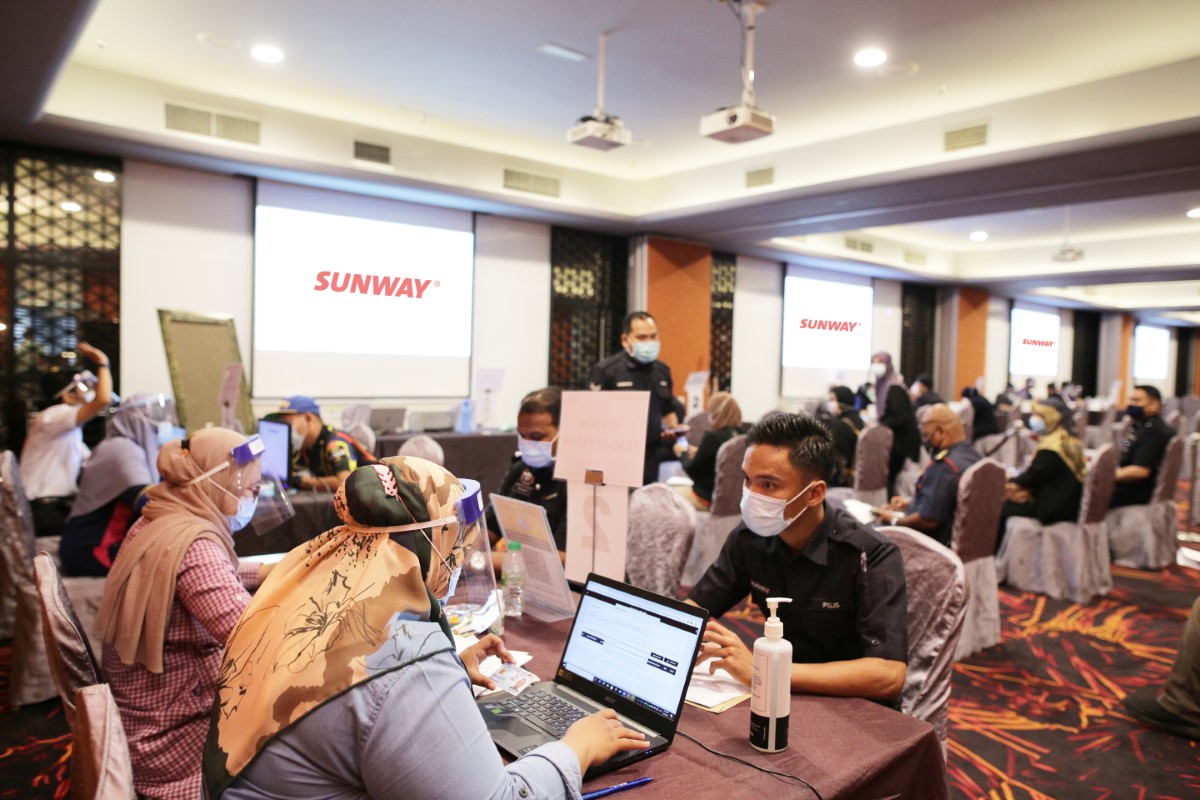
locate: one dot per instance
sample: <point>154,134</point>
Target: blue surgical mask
<point>645,352</point>
<point>536,454</point>
<point>245,512</point>
<point>764,515</point>
<point>1037,424</point>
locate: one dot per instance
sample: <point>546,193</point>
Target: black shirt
<point>1144,446</point>
<point>847,587</point>
<point>936,496</point>
<point>622,372</point>
<point>845,428</point>
<point>1056,491</point>
<point>538,486</point>
<point>90,541</point>
<point>334,451</point>
<point>702,467</point>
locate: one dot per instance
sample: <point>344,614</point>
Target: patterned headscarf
<point>1058,439</point>
<point>355,603</point>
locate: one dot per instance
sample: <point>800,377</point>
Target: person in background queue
<point>700,460</point>
<point>324,457</point>
<point>637,368</point>
<point>846,426</point>
<point>922,392</point>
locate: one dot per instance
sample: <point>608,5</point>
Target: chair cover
<point>100,768</point>
<point>870,467</point>
<point>1066,560</point>
<point>661,527</point>
<point>966,415</point>
<point>423,446</point>
<point>723,515</point>
<point>1013,448</point>
<point>906,481</point>
<point>1101,434</point>
<point>937,598</point>
<point>1189,444</point>
<point>698,424</point>
<point>973,538</point>
<point>72,662</point>
<point>1144,537</point>
<point>1176,420</point>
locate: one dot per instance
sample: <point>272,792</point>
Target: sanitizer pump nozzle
<point>771,684</point>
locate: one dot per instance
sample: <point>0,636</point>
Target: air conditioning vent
<point>188,120</point>
<point>203,122</point>
<point>962,138</point>
<point>375,153</point>
<point>861,245</point>
<point>915,258</point>
<point>760,177</point>
<point>528,182</point>
<point>237,129</point>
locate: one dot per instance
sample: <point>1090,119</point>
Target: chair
<point>100,766</point>
<point>1098,435</point>
<point>937,600</point>
<point>1189,445</point>
<point>661,527</point>
<point>423,446</point>
<point>698,424</point>
<point>356,421</point>
<point>973,538</point>
<point>1175,419</point>
<point>870,467</point>
<point>1066,560</point>
<point>1144,536</point>
<point>1013,448</point>
<point>72,662</point>
<point>966,415</point>
<point>714,527</point>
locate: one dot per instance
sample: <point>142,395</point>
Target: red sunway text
<point>1038,342</point>
<point>371,284</point>
<point>828,325</point>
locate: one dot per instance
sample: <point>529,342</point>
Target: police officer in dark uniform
<point>1143,449</point>
<point>323,457</point>
<point>637,368</point>
<point>931,508</point>
<point>531,477</point>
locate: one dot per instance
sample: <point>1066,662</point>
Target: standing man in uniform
<point>637,368</point>
<point>324,457</point>
<point>1143,449</point>
<point>931,508</point>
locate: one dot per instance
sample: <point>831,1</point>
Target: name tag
<point>624,384</point>
<point>759,587</point>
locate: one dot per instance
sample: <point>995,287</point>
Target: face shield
<point>159,411</point>
<point>82,386</point>
<point>263,503</point>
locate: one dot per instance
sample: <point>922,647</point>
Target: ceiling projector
<point>737,124</point>
<point>601,132</point>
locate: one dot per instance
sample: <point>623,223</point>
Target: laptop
<point>277,438</point>
<point>388,420</point>
<point>629,650</point>
<point>548,596</point>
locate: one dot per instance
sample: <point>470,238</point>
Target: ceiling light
<point>71,206</point>
<point>559,51</point>
<point>978,236</point>
<point>267,53</point>
<point>1194,213</point>
<point>104,176</point>
<point>870,57</point>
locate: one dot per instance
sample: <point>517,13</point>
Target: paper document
<point>715,692</point>
<point>860,511</point>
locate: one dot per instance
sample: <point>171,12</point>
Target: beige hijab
<point>1057,439</point>
<point>140,590</point>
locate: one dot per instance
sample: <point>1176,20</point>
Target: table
<point>314,515</point>
<point>484,456</point>
<point>845,747</point>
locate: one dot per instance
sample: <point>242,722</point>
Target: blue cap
<point>299,404</point>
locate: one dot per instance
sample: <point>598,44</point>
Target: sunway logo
<point>828,325</point>
<point>1038,342</point>
<point>372,284</point>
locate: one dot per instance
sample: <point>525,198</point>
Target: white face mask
<point>764,515</point>
<point>833,407</point>
<point>878,369</point>
<point>536,453</point>
<point>297,441</point>
<point>245,513</point>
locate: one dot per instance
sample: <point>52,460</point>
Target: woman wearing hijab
<point>885,377</point>
<point>906,436</point>
<point>700,461</point>
<point>341,678</point>
<point>1051,489</point>
<point>171,600</point>
<point>112,488</point>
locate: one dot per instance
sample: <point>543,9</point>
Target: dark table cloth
<point>314,515</point>
<point>484,457</point>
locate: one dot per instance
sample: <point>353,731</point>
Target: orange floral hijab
<point>354,603</point>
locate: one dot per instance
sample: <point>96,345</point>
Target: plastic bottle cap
<point>514,547</point>
<point>773,629</point>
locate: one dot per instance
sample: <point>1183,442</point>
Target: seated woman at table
<point>172,598</point>
<point>112,488</point>
<point>700,461</point>
<point>1051,489</point>
<point>341,677</point>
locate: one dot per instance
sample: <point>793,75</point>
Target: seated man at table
<point>1143,449</point>
<point>931,508</point>
<point>531,477</point>
<point>847,619</point>
<point>324,457</point>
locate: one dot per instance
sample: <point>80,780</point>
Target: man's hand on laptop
<point>473,656</point>
<point>727,651</point>
<point>597,738</point>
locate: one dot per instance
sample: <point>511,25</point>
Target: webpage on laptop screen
<point>634,648</point>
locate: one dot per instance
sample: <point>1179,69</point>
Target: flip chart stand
<point>594,478</point>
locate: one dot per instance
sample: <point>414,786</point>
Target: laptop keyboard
<point>549,711</point>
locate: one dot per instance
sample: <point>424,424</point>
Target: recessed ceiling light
<point>559,51</point>
<point>978,236</point>
<point>71,206</point>
<point>104,176</point>
<point>870,57</point>
<point>267,53</point>
<point>1194,213</point>
<point>218,41</point>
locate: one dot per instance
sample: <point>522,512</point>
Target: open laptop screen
<point>637,648</point>
<point>277,438</point>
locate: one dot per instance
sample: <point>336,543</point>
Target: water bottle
<point>513,576</point>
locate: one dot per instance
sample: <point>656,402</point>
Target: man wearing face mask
<point>1143,448</point>
<point>845,427</point>
<point>324,457</point>
<point>531,477</point>
<point>637,368</point>
<point>847,618</point>
<point>931,508</point>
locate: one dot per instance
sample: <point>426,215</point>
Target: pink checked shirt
<point>166,715</point>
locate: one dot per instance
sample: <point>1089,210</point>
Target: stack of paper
<point>716,692</point>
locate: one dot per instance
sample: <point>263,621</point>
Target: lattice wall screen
<point>587,302</point>
<point>724,281</point>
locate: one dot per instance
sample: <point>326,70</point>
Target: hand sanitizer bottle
<point>771,684</point>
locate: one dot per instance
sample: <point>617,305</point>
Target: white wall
<point>757,335</point>
<point>886,324</point>
<point>1110,355</point>
<point>1066,344</point>
<point>996,349</point>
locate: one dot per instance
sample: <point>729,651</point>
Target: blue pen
<point>620,787</point>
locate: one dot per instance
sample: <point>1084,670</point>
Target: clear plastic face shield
<point>262,502</point>
<point>159,411</point>
<point>82,387</point>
